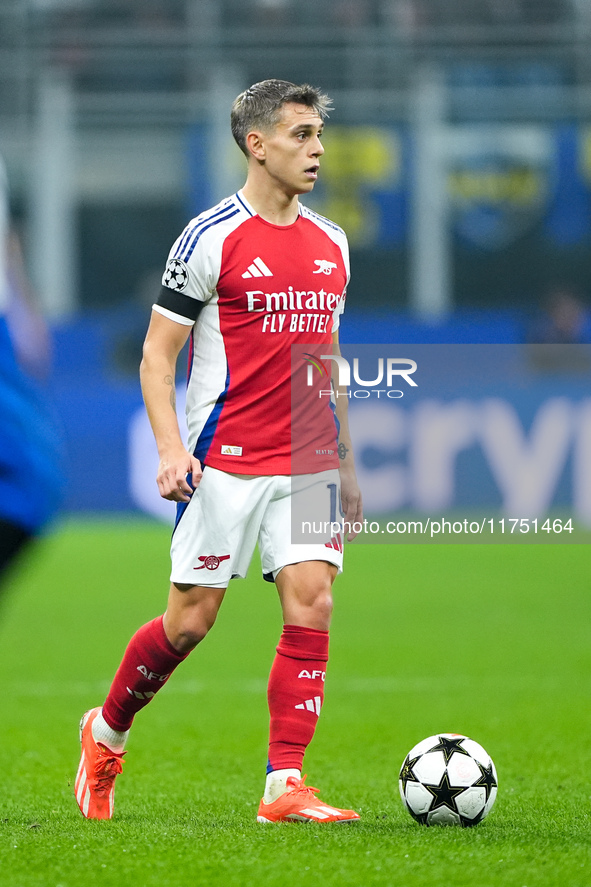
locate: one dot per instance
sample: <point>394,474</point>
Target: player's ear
<point>256,145</point>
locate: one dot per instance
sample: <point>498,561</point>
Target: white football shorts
<point>218,529</point>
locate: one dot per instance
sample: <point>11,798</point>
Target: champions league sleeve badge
<point>176,275</point>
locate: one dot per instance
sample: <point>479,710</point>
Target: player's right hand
<point>178,476</point>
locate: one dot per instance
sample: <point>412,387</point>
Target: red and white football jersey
<point>265,288</point>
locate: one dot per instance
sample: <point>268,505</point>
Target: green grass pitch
<point>491,641</point>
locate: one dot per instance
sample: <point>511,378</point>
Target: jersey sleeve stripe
<point>190,230</point>
<point>193,244</point>
<point>202,220</point>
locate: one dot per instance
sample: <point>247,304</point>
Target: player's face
<point>293,149</point>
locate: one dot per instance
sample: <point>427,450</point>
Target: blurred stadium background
<point>458,160</point>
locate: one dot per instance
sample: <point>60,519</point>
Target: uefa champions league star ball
<point>448,779</point>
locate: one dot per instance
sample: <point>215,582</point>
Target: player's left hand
<point>351,501</point>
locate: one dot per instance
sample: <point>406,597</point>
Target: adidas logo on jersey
<point>258,269</point>
<point>313,705</point>
<point>227,450</point>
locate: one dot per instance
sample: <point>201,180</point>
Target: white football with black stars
<point>448,779</point>
<point>176,275</point>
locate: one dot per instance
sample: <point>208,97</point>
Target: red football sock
<point>148,662</point>
<point>295,694</point>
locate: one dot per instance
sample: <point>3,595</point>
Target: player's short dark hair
<point>259,106</point>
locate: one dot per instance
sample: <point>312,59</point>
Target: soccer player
<point>28,432</point>
<point>248,279</point>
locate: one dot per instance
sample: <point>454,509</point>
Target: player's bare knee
<point>191,629</point>
<point>316,594</point>
<point>200,619</point>
<point>312,609</point>
<point>191,615</point>
<point>322,606</point>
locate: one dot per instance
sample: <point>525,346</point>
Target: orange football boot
<point>99,766</point>
<point>300,804</point>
